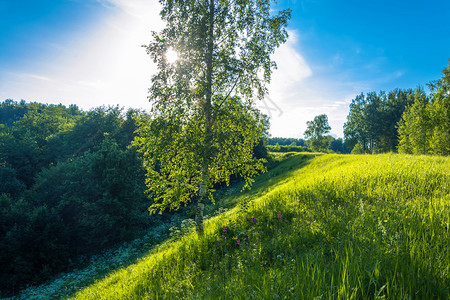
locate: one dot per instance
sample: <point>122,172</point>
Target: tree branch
<point>226,97</point>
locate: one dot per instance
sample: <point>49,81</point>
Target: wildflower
<point>245,239</point>
<point>385,221</point>
<point>258,231</point>
<point>225,230</point>
<point>279,215</point>
<point>253,219</point>
<point>238,242</point>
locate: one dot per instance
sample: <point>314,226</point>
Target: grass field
<point>314,227</point>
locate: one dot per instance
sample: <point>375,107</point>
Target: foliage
<point>338,146</point>
<point>204,133</point>
<point>409,121</point>
<point>331,226</point>
<point>173,175</point>
<point>70,185</point>
<point>286,142</point>
<point>425,126</point>
<point>358,149</point>
<point>315,133</point>
<point>288,149</point>
<point>372,120</point>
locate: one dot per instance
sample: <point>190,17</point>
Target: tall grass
<point>338,227</point>
<point>315,227</point>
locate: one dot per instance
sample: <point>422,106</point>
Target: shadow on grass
<point>280,169</point>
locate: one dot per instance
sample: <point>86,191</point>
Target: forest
<point>71,184</point>
<point>407,121</point>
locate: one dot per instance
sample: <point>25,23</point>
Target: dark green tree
<point>373,119</point>
<point>355,129</point>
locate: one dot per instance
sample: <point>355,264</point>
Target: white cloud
<point>103,66</point>
<point>296,96</point>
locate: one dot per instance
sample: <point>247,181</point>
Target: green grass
<point>314,227</point>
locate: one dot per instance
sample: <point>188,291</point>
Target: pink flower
<point>238,242</point>
<point>279,215</point>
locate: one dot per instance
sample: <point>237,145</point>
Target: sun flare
<point>171,56</point>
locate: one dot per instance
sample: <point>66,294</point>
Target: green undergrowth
<point>314,227</point>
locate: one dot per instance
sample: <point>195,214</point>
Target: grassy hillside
<point>314,227</point>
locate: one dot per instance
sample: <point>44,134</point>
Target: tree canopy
<point>70,184</point>
<point>425,125</point>
<point>315,132</point>
<point>373,118</point>
<point>203,126</point>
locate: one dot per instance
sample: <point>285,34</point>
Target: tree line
<point>71,184</point>
<point>407,121</point>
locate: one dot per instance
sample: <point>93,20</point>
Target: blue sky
<point>87,52</point>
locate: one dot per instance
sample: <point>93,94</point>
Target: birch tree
<point>203,125</point>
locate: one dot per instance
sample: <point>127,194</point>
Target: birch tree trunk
<point>203,191</point>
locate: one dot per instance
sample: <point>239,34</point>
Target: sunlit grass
<point>315,227</point>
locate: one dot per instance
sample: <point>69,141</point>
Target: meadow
<point>316,226</point>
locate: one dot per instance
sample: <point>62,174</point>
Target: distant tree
<point>355,129</point>
<point>358,149</point>
<point>338,146</point>
<point>440,113</point>
<point>315,132</point>
<point>286,141</point>
<point>373,119</point>
<point>199,133</point>
<point>425,126</point>
<point>397,102</point>
<point>415,126</point>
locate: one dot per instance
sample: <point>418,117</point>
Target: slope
<point>315,226</point>
<point>345,227</point>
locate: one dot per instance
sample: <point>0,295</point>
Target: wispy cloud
<point>103,66</point>
<point>300,95</point>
